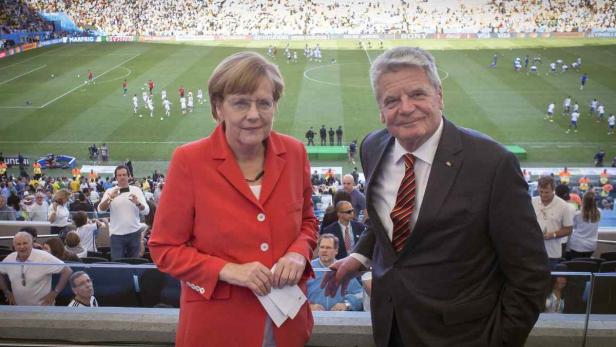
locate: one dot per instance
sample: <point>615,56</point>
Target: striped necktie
<point>347,239</point>
<point>405,205</point>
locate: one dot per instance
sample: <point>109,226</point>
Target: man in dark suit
<point>346,229</point>
<point>456,253</point>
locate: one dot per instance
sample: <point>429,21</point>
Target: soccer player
<point>163,94</point>
<point>533,68</point>
<point>167,104</point>
<point>90,77</point>
<point>567,105</point>
<point>573,124</point>
<point>151,86</point>
<point>564,68</point>
<point>611,121</point>
<point>553,67</point>
<point>583,80</point>
<point>151,107</point>
<point>135,104</point>
<point>144,96</point>
<point>191,104</point>
<point>576,107</point>
<point>295,56</point>
<point>181,90</point>
<point>200,96</point>
<point>494,60</point>
<point>550,114</point>
<point>125,87</point>
<point>600,112</point>
<point>593,106</point>
<point>183,104</point>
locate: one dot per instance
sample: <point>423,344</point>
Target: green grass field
<point>40,114</point>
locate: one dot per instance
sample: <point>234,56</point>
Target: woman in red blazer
<point>235,204</point>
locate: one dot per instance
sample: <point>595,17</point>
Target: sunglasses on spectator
<point>347,211</point>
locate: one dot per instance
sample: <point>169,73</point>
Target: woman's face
<point>248,118</point>
<point>561,282</point>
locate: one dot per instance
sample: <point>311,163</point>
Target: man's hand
<point>289,270</point>
<point>339,307</point>
<point>343,271</point>
<point>317,307</point>
<point>254,276</point>
<point>49,299</point>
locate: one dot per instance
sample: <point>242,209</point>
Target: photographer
<point>126,203</point>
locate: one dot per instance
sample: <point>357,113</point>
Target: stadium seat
<point>581,266</point>
<point>96,254</point>
<point>592,260</point>
<point>604,293</point>
<point>134,261</point>
<point>114,286</point>
<point>608,256</point>
<point>608,266</point>
<point>90,260</point>
<point>157,288</point>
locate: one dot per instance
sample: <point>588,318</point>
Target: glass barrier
<point>603,306</point>
<point>120,284</point>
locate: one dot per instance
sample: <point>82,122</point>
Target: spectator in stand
<point>331,215</point>
<point>328,246</point>
<point>555,302</point>
<point>38,210</point>
<point>82,287</point>
<point>358,199</point>
<point>6,212</point>
<point>346,229</point>
<point>555,217</point>
<point>81,203</point>
<point>73,245</point>
<point>126,204</point>
<point>87,231</point>
<point>55,247</point>
<point>59,214</point>
<point>31,284</point>
<point>34,234</point>
<point>583,240</point>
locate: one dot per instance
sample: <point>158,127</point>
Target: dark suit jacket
<point>334,228</point>
<point>474,270</point>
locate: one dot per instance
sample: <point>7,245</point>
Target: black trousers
<point>395,339</point>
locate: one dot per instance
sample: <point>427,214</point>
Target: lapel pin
<point>448,163</point>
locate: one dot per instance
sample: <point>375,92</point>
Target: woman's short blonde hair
<point>63,193</point>
<point>241,73</point>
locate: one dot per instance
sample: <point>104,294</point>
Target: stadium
<point>86,86</point>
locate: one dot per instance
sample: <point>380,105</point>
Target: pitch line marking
<point>28,59</point>
<point>23,74</point>
<point>82,84</point>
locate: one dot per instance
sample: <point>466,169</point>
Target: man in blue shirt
<point>327,245</point>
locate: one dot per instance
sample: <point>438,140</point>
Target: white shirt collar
<point>425,152</point>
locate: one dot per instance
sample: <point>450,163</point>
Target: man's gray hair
<point>23,234</point>
<point>398,58</point>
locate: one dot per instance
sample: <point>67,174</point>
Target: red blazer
<point>208,216</point>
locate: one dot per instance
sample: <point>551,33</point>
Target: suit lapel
<point>228,167</point>
<point>447,162</point>
<point>274,164</point>
<point>378,152</point>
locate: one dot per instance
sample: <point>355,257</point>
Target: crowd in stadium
<point>16,16</point>
<point>192,17</point>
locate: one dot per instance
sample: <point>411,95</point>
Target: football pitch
<point>46,106</point>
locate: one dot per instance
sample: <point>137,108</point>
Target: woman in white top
<point>583,240</point>
<point>58,213</point>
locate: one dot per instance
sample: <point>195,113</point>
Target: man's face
<point>347,184</point>
<point>122,177</point>
<point>410,105</point>
<point>327,251</point>
<point>83,287</point>
<point>546,194</point>
<point>345,212</point>
<point>23,246</point>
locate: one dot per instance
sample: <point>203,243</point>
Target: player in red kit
<point>182,91</point>
<point>90,76</point>
<point>151,86</point>
<point>125,87</point>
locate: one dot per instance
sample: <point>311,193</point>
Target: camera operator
<point>126,203</point>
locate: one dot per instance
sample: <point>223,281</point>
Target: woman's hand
<point>289,270</point>
<point>254,276</point>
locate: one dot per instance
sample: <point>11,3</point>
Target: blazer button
<point>264,246</point>
<point>261,217</point>
<point>201,290</point>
